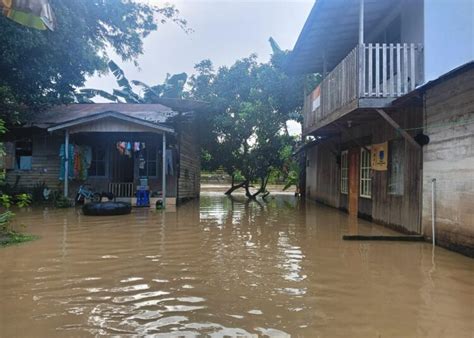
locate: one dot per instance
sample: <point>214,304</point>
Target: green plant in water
<point>60,201</point>
<point>23,200</point>
<point>6,201</point>
<point>5,219</point>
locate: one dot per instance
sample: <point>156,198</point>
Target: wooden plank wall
<point>449,158</point>
<point>189,181</point>
<point>323,173</point>
<point>45,164</point>
<point>402,212</point>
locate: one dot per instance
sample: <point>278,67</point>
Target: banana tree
<point>31,13</point>
<point>172,88</point>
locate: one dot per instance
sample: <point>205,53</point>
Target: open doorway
<point>122,167</point>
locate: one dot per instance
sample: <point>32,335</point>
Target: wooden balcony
<point>370,76</point>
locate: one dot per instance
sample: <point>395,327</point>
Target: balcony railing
<point>369,71</point>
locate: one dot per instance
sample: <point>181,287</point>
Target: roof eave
<point>120,116</point>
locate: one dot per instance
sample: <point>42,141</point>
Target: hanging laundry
<point>128,149</point>
<point>87,156</point>
<point>77,161</point>
<point>62,156</point>
<point>169,162</point>
<point>141,162</point>
<point>120,148</point>
<point>136,146</point>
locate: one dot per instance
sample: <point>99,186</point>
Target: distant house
<point>367,155</point>
<point>112,147</point>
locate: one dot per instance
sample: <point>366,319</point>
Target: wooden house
<point>366,154</point>
<point>111,147</point>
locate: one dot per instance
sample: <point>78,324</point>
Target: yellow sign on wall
<point>379,156</point>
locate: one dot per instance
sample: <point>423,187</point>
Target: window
<point>344,172</point>
<point>365,174</point>
<point>395,167</point>
<point>23,155</point>
<point>97,167</point>
<point>150,166</point>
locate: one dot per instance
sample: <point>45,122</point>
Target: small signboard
<point>316,98</point>
<point>379,156</point>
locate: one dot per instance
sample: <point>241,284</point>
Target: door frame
<point>353,178</point>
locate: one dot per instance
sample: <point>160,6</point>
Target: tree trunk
<point>235,187</point>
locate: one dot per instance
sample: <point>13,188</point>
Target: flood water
<point>221,267</point>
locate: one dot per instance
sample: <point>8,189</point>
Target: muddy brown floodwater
<point>221,267</point>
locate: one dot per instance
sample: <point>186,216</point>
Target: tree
<point>251,104</point>
<point>44,67</point>
<point>172,88</point>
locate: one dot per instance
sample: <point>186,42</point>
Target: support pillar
<point>163,174</point>
<point>66,163</point>
<point>361,22</point>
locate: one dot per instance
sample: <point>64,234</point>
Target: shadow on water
<point>227,266</point>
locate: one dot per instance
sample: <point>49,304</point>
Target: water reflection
<point>228,267</point>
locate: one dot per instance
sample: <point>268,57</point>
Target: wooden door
<point>354,181</point>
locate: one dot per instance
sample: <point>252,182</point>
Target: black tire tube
<point>107,209</point>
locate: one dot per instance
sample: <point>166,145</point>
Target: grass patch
<point>13,237</point>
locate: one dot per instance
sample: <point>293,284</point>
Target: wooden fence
<point>370,70</point>
<point>122,189</point>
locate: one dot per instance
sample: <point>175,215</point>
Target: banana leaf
<point>120,76</point>
<point>129,97</point>
<point>88,93</point>
<point>148,91</point>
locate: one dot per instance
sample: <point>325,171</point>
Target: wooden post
<point>325,65</point>
<point>163,174</point>
<point>398,128</point>
<point>361,22</point>
<point>361,63</point>
<point>66,163</point>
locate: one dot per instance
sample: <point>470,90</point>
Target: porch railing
<point>370,70</point>
<point>122,189</point>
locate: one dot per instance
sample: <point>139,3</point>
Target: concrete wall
<point>449,35</point>
<point>449,158</point>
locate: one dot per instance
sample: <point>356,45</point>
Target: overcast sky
<point>224,31</point>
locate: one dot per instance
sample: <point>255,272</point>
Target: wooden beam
<point>396,126</point>
<point>349,134</point>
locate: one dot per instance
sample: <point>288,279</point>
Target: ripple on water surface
<point>228,267</point>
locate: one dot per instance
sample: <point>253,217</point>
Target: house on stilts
<point>390,128</point>
<point>111,147</point>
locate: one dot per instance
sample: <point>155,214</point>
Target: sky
<point>223,31</point>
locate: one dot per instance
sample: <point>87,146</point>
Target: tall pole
<point>66,163</point>
<point>163,174</point>
<point>361,22</point>
<point>433,210</point>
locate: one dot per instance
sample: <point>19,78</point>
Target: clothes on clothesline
<point>80,159</point>
<point>127,148</point>
<point>169,162</point>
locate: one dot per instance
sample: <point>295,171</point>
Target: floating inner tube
<point>107,209</point>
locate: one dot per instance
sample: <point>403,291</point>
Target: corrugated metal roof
<point>155,113</point>
<point>332,29</point>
